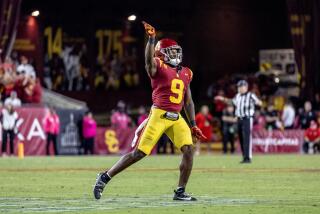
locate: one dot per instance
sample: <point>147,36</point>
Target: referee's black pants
<point>244,131</point>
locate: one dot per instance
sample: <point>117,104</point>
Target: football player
<point>171,92</point>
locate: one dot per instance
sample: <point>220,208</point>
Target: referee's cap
<point>242,83</point>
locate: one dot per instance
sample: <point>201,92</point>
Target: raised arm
<point>150,63</point>
<point>224,99</point>
<point>190,113</point>
<point>257,101</point>
<point>230,119</point>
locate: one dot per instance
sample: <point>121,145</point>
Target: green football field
<point>271,184</point>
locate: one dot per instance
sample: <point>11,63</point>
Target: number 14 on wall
<point>54,41</point>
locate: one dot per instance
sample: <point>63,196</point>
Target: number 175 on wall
<point>109,41</point>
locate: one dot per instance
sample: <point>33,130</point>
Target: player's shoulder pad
<point>190,73</point>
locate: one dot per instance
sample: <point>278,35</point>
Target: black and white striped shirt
<point>245,104</point>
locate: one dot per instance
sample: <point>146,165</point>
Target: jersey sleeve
<point>190,74</point>
<point>254,97</point>
<point>234,100</point>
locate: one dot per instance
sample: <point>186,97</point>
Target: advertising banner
<point>110,141</point>
<point>276,141</point>
<point>30,131</point>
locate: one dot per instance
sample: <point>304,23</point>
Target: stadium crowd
<point>279,112</point>
<point>18,81</point>
<point>71,71</point>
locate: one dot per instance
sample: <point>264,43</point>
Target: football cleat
<point>245,161</point>
<point>182,196</point>
<point>98,187</point>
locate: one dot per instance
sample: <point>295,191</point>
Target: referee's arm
<point>224,99</point>
<point>257,101</point>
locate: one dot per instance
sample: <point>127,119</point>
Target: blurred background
<point>84,62</point>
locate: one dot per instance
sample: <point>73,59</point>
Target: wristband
<point>193,123</point>
<point>152,40</point>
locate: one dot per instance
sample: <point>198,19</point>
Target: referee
<point>245,102</point>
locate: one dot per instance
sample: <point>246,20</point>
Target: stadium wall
<point>115,141</point>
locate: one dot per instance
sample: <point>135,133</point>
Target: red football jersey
<point>169,86</point>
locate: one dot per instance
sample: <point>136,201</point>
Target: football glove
<point>149,29</point>
<point>198,133</point>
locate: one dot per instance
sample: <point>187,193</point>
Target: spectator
<point>9,119</point>
<point>142,115</point>
<point>316,103</point>
<point>113,81</point>
<point>271,117</point>
<point>57,71</point>
<point>288,115</point>
<point>89,130</point>
<point>203,121</point>
<point>26,68</point>
<point>278,102</point>
<point>84,68</point>
<point>32,92</point>
<point>259,122</point>
<point>1,103</point>
<point>312,138</point>
<point>306,116</point>
<point>228,128</point>
<point>119,119</point>
<point>99,81</point>
<point>219,105</point>
<point>47,75</point>
<point>116,66</point>
<point>51,125</point>
<point>8,81</point>
<point>14,58</point>
<point>13,100</point>
<point>8,66</point>
<point>71,61</point>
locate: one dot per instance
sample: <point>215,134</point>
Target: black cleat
<point>182,196</point>
<point>245,161</point>
<point>99,186</point>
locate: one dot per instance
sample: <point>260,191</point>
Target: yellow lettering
<point>177,87</point>
<point>111,141</point>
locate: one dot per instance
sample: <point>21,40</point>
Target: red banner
<point>30,131</point>
<point>110,141</point>
<point>288,141</point>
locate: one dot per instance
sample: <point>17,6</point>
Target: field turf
<point>271,184</point>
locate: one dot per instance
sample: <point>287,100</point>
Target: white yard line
<point>33,205</point>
